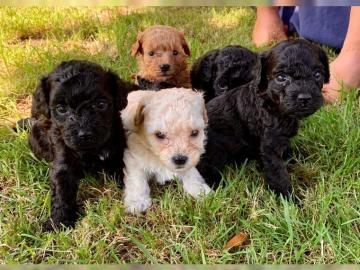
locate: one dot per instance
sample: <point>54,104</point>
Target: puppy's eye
<point>101,106</point>
<point>151,53</point>
<point>222,85</point>
<point>223,63</point>
<point>282,79</point>
<point>175,52</point>
<point>160,135</point>
<point>194,133</point>
<point>317,75</point>
<point>61,109</point>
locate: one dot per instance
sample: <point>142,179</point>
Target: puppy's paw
<point>196,189</point>
<point>137,205</point>
<point>52,225</point>
<point>48,226</point>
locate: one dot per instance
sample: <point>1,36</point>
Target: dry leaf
<point>237,241</point>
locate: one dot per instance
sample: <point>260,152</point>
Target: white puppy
<point>165,138</point>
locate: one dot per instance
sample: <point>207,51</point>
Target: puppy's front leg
<point>137,191</point>
<point>213,161</point>
<point>273,166</point>
<point>65,174</point>
<point>194,184</point>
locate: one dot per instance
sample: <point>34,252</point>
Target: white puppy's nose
<point>179,159</point>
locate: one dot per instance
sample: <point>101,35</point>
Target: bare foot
<point>344,74</point>
<point>268,27</point>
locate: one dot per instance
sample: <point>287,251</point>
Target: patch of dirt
<point>305,175</point>
<point>31,35</point>
<point>21,37</point>
<point>23,110</point>
<point>124,248</point>
<point>96,47</point>
<point>23,105</point>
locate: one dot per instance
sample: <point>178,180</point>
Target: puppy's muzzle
<point>179,160</point>
<point>304,98</point>
<point>85,135</point>
<point>164,67</point>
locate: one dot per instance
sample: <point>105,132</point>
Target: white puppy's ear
<point>139,116</point>
<point>133,115</point>
<point>205,116</point>
<point>204,112</point>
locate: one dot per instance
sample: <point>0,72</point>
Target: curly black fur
<point>221,70</point>
<point>77,127</point>
<point>153,85</point>
<point>258,119</point>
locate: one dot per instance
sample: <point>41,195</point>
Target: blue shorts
<point>323,24</point>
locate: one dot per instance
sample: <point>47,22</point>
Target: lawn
<point>176,229</point>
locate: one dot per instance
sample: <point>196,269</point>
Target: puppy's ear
<point>139,116</point>
<point>133,115</point>
<point>40,100</point>
<point>119,90</point>
<point>184,44</point>
<point>203,69</point>
<point>136,48</point>
<point>261,71</point>
<point>205,116</point>
<point>204,112</point>
<point>201,95</point>
<point>325,62</point>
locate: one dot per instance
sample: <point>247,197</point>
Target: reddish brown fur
<point>163,41</point>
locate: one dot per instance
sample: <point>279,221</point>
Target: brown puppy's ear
<point>184,44</point>
<point>325,62</point>
<point>136,48</point>
<point>120,90</point>
<point>139,116</point>
<point>40,99</point>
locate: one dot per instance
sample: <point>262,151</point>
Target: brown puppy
<point>162,54</point>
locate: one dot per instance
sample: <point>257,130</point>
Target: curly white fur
<point>177,113</point>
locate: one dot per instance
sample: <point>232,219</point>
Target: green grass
<point>177,229</point>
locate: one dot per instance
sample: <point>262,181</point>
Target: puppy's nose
<point>72,118</point>
<point>304,97</point>
<point>179,159</point>
<point>164,67</point>
<point>84,135</point>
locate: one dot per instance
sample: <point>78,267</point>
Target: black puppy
<point>153,85</point>
<point>258,119</point>
<point>223,69</point>
<point>75,125</point>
